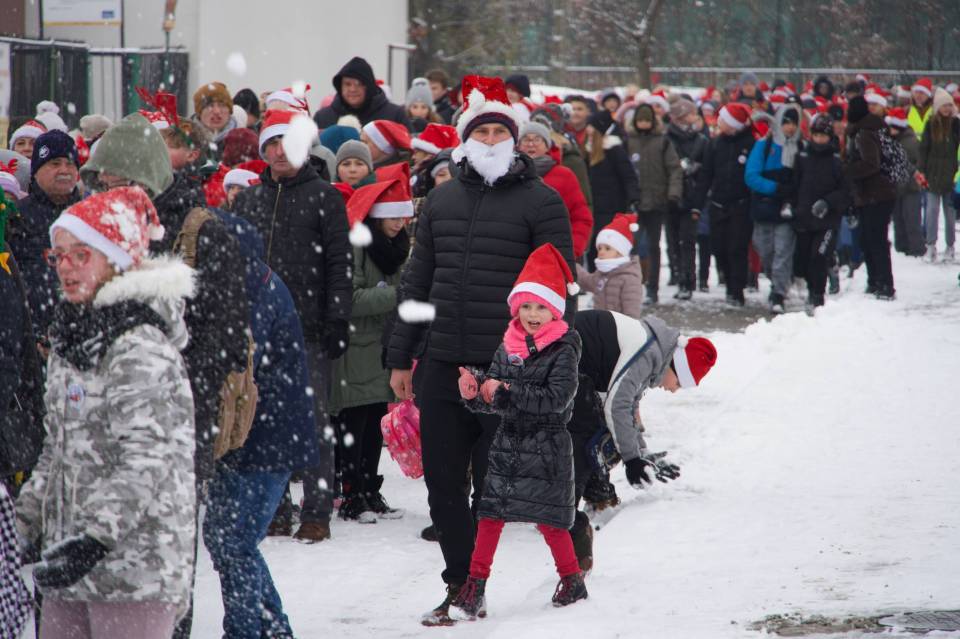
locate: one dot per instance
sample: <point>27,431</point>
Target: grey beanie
<point>536,128</point>
<point>355,149</point>
<point>420,93</point>
<point>749,76</point>
<point>681,108</point>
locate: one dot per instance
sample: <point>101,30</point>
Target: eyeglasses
<point>78,256</point>
<point>112,182</point>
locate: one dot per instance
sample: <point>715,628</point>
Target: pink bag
<point>401,432</point>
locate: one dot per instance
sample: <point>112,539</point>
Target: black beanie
<point>791,115</point>
<point>50,146</point>
<point>248,101</point>
<point>857,109</point>
<point>601,121</point>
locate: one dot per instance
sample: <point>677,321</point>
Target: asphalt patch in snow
<point>925,620</point>
<point>798,626</point>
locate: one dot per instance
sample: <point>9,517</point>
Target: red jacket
<point>564,182</point>
<point>213,189</point>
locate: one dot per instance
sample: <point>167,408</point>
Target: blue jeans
<point>239,509</point>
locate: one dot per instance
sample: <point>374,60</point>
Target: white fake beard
<point>491,162</point>
<point>607,265</point>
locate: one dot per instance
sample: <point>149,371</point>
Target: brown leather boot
<point>312,532</point>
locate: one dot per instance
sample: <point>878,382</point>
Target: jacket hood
<point>161,283</point>
<point>869,122</point>
<point>632,334</point>
<point>823,80</point>
<point>132,149</point>
<point>359,69</point>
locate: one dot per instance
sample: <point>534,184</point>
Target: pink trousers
<point>61,619</point>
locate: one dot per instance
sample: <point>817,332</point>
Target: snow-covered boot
<point>571,589</point>
<point>931,254</point>
<point>429,533</point>
<point>470,603</point>
<point>776,304</point>
<point>355,508</point>
<point>378,504</point>
<point>948,255</point>
<point>599,493</point>
<point>440,616</point>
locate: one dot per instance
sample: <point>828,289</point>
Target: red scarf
<point>515,339</point>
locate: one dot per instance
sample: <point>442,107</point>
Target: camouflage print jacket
<point>117,463</point>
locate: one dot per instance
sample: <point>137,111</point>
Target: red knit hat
<point>619,233</point>
<point>735,115</point>
<point>275,124</point>
<point>380,200</point>
<point>692,359</point>
<point>240,145</point>
<point>545,279</point>
<point>387,135</point>
<point>120,223</point>
<point>923,85</point>
<point>295,97</point>
<point>485,101</point>
<point>897,117</point>
<point>436,137</point>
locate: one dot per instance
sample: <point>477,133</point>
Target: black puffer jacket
<point>530,471</point>
<point>692,147</point>
<point>721,178</point>
<point>217,317</point>
<point>375,107</point>
<point>613,182</point>
<point>304,225</point>
<point>28,232</point>
<point>472,242</point>
<point>818,175</point>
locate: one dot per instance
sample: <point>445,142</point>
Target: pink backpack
<point>401,432</point>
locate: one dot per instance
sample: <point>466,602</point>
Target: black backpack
<point>893,160</point>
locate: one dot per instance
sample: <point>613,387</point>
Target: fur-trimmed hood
<point>162,283</point>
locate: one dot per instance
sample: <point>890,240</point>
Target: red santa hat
<point>8,179</point>
<point>240,177</point>
<point>164,114</point>
<point>396,171</point>
<point>120,223</point>
<point>295,97</point>
<point>897,117</point>
<point>735,115</point>
<point>764,87</point>
<point>692,359</point>
<point>435,138</point>
<point>875,94</point>
<point>275,124</point>
<point>380,200</point>
<point>658,98</point>
<point>545,279</point>
<point>388,136</point>
<point>485,101</point>
<point>618,234</point>
<point>923,85</point>
<point>30,129</point>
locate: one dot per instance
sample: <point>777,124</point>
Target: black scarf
<point>543,164</point>
<point>387,253</point>
<point>81,333</point>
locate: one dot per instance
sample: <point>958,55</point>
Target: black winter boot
<point>378,504</point>
<point>440,616</point>
<point>355,508</point>
<point>471,603</point>
<point>599,493</point>
<point>571,589</point>
<point>582,536</point>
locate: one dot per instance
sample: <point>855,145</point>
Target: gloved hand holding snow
<point>820,209</point>
<point>637,472</point>
<point>488,389</point>
<point>467,384</point>
<point>68,562</point>
<point>640,469</point>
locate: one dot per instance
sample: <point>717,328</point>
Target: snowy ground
<point>820,471</point>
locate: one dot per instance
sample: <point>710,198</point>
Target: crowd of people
<point>203,309</point>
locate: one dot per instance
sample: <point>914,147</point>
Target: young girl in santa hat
<point>531,384</point>
<point>617,284</point>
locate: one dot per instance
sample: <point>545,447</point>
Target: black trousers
<point>455,444</point>
<point>652,223</point>
<point>874,229</point>
<point>814,252</point>
<point>682,248</point>
<point>703,267</point>
<point>359,446</point>
<point>730,232</point>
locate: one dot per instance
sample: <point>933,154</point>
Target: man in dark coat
<point>53,187</point>
<point>359,95</point>
<point>304,225</point>
<point>473,238</point>
<point>721,185</point>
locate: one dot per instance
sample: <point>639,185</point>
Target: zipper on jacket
<point>466,261</point>
<point>273,222</point>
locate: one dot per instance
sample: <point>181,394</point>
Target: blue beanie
<point>334,136</point>
<point>50,146</point>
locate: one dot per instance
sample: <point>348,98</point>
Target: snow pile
<point>820,464</point>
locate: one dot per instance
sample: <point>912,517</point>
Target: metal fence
<point>85,80</point>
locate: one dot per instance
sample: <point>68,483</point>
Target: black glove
<point>639,469</point>
<point>637,472</point>
<point>336,338</point>
<point>820,209</point>
<point>665,471</point>
<point>69,561</point>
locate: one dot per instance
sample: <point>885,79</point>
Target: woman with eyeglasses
<point>110,505</point>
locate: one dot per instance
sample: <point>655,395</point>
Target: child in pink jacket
<point>617,284</point>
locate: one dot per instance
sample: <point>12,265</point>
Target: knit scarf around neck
<point>81,333</point>
<point>518,342</point>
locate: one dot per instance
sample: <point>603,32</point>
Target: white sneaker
<point>931,255</point>
<point>948,255</point>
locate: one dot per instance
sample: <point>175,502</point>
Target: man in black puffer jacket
<point>304,224</point>
<point>721,185</point>
<point>359,95</point>
<point>473,238</point>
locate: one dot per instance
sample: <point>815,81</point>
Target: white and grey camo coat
<point>117,462</point>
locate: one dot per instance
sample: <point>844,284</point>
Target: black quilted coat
<point>530,471</point>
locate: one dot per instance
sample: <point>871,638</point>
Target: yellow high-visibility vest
<point>916,121</point>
